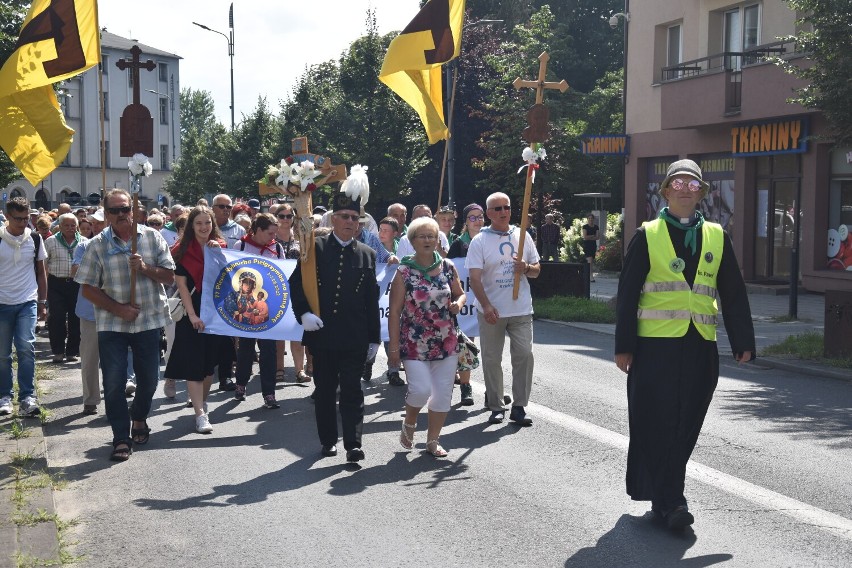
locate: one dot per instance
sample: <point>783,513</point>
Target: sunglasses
<point>679,184</point>
<point>502,208</point>
<point>475,218</point>
<point>225,207</point>
<point>118,210</point>
<point>286,216</point>
<point>347,217</point>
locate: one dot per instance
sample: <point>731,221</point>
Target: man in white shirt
<point>493,260</point>
<point>23,298</point>
<point>63,325</point>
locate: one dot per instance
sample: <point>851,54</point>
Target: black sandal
<point>121,454</point>
<point>140,435</point>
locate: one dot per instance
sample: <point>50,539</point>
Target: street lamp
<point>230,39</point>
<point>613,23</point>
<point>450,70</point>
<point>172,106</point>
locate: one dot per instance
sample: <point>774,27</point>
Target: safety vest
<point>667,303</point>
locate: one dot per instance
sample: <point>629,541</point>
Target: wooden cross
<point>535,133</point>
<point>136,127</point>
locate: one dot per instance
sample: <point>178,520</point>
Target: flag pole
<point>103,132</point>
<point>447,142</point>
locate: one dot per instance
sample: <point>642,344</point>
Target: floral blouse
<point>426,327</point>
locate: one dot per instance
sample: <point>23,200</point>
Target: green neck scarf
<point>60,238</point>
<point>410,262</point>
<point>690,240</point>
<point>465,238</point>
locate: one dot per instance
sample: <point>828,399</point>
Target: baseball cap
<point>254,203</point>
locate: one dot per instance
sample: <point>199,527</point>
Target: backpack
<point>37,243</point>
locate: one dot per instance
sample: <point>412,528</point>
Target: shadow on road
<point>641,542</point>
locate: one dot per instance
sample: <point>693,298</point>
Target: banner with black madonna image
<point>245,295</point>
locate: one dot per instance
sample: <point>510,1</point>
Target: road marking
<point>760,496</point>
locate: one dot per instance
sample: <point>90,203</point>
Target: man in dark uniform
<point>675,269</point>
<point>348,333</point>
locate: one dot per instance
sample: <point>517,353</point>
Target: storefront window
<point>654,202</point>
<point>718,206</point>
<point>839,252</point>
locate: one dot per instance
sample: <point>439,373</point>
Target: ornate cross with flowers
<point>298,175</point>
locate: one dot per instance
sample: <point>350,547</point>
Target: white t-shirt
<point>405,248</point>
<point>492,252</point>
<point>170,236</point>
<point>18,283</point>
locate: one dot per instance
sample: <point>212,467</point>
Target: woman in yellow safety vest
<point>675,269</point>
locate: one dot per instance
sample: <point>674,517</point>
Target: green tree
<point>825,38</point>
<point>198,170</point>
<point>12,14</point>
<point>249,151</point>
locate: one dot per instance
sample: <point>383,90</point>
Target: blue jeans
<point>112,347</point>
<point>17,325</point>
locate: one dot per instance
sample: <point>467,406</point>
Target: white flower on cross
<point>139,165</point>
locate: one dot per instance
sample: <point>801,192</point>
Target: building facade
<point>80,179</point>
<point>701,84</point>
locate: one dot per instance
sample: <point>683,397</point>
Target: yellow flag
<point>59,39</point>
<point>412,66</point>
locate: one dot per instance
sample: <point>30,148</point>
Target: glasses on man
<point>223,206</point>
<point>347,217</point>
<point>679,184</point>
<point>287,216</point>
<point>19,219</point>
<point>118,210</point>
<point>500,208</point>
<point>475,218</point>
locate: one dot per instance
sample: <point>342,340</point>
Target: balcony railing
<point>728,61</point>
<point>732,63</point>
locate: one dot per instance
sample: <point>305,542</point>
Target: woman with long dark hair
<point>199,350</point>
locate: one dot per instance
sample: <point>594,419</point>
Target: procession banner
<point>245,295</point>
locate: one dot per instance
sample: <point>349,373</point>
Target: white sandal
<point>406,440</point>
<point>434,448</point>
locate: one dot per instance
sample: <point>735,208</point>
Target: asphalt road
<point>770,482</point>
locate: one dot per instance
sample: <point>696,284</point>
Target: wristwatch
<point>42,302</point>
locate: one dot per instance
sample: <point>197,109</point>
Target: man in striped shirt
<point>124,322</point>
<point>63,325</point>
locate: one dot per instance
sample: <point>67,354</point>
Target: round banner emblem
<point>708,257</point>
<point>677,265</point>
<point>251,294</point>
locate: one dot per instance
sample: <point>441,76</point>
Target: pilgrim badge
<point>708,257</point>
<point>677,265</point>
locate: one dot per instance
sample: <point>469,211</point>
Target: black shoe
<point>329,451</point>
<point>394,379</point>
<point>227,385</point>
<point>368,372</point>
<point>466,394</point>
<point>496,417</point>
<point>354,455</point>
<point>679,518</point>
<point>519,416</point>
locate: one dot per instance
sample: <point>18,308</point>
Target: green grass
<point>809,346</point>
<point>565,308</point>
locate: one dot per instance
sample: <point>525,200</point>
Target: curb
<point>792,365</point>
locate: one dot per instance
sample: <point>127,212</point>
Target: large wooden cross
<point>534,134</point>
<point>137,126</point>
<point>136,136</point>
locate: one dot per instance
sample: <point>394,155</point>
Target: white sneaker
<point>129,388</point>
<point>169,388</point>
<point>29,406</point>
<point>202,424</point>
<point>5,405</point>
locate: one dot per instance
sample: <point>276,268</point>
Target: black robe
<point>671,380</point>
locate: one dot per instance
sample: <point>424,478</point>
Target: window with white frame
<point>741,32</point>
<point>164,156</point>
<point>164,110</point>
<point>164,71</point>
<point>673,45</point>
